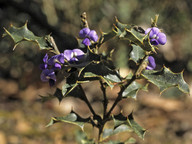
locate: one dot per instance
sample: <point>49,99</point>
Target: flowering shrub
<point>90,65</point>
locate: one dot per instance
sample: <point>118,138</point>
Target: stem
<point>100,132</point>
<point>54,45</point>
<point>137,74</point>
<point>86,101</point>
<point>95,116</point>
<point>105,100</point>
<point>119,97</point>
<point>84,20</point>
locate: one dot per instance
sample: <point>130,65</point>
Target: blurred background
<point>23,116</point>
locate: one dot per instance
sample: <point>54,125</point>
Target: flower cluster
<point>56,62</point>
<point>48,67</point>
<point>156,36</point>
<point>88,36</point>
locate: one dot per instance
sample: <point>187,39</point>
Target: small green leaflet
<point>71,118</point>
<point>24,34</point>
<point>132,89</point>
<point>137,53</point>
<point>106,36</point>
<point>133,34</point>
<point>122,124</point>
<point>165,79</point>
<point>100,70</point>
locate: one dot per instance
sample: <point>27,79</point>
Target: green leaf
<point>82,138</point>
<point>110,132</point>
<point>100,70</point>
<point>165,79</point>
<point>58,94</point>
<point>134,34</point>
<point>71,118</point>
<point>137,54</point>
<point>131,140</point>
<point>24,34</point>
<point>135,126</point>
<point>122,26</point>
<point>114,142</point>
<point>130,123</point>
<point>132,89</point>
<point>46,98</point>
<point>106,36</point>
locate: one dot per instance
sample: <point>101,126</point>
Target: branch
<point>105,100</point>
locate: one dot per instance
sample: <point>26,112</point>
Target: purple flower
<point>88,35</point>
<point>156,36</point>
<point>56,61</point>
<point>86,42</point>
<point>93,35</point>
<point>84,32</point>
<point>48,76</point>
<point>73,56</point>
<point>45,60</point>
<point>151,64</point>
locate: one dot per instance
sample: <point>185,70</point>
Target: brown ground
<point>23,117</point>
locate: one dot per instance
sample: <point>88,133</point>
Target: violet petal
<point>84,32</point>
<point>161,37</point>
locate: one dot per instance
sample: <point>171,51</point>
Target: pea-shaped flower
<point>45,61</point>
<point>56,61</point>
<point>48,75</point>
<point>151,64</point>
<point>76,58</point>
<point>156,36</point>
<point>88,36</point>
<point>74,55</point>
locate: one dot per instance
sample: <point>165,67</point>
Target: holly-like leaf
<point>82,138</point>
<point>24,34</point>
<point>134,34</point>
<point>135,126</point>
<point>109,132</point>
<point>71,118</point>
<point>58,94</point>
<point>137,53</point>
<point>122,26</point>
<point>132,89</point>
<point>129,121</point>
<point>100,70</point>
<point>165,79</point>
<point>113,142</point>
<point>106,36</point>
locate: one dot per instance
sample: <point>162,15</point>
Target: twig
<point>105,100</point>
<point>84,20</point>
<point>54,45</point>
<point>137,74</point>
<point>95,116</point>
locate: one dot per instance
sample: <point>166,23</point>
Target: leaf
<point>114,142</point>
<point>137,53</point>
<point>135,126</point>
<point>106,36</point>
<point>131,140</point>
<point>122,26</point>
<point>165,79</point>
<point>82,138</point>
<point>100,70</point>
<point>129,121</point>
<point>71,118</point>
<point>110,132</point>
<point>24,34</point>
<point>132,89</point>
<point>58,94</point>
<point>134,34</point>
<point>46,98</point>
